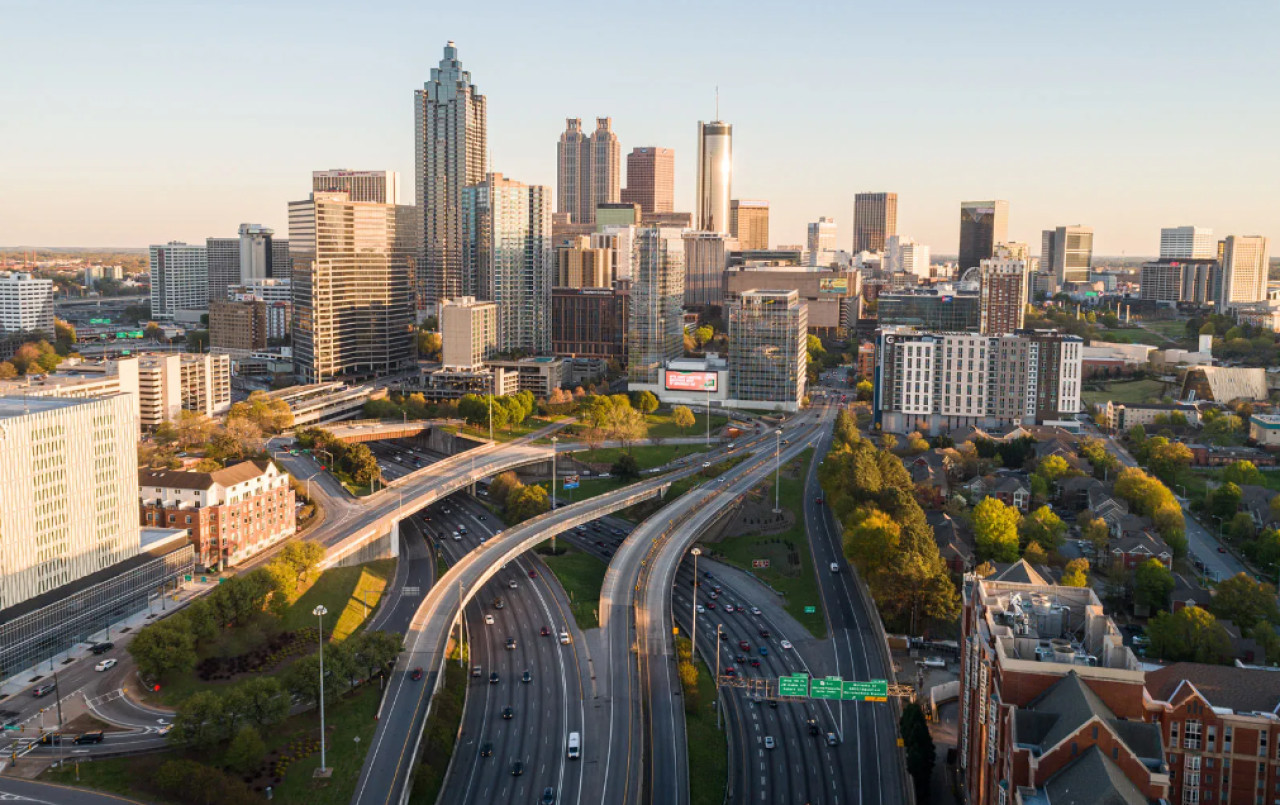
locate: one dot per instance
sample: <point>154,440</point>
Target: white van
<point>835,568</point>
<point>575,745</point>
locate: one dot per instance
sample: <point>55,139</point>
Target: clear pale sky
<point>128,123</point>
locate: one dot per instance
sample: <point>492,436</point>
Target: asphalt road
<point>13,789</point>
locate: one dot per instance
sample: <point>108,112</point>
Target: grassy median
<point>582,576</point>
<point>708,749</point>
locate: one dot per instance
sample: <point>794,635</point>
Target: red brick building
<point>232,513</point>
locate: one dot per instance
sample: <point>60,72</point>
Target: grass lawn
<point>661,426</point>
<point>441,734</point>
<point>582,576</point>
<point>1175,329</point>
<point>1271,480</point>
<point>1135,335</point>
<point>799,587</point>
<point>646,455</point>
<point>1127,391</point>
<point>505,434</point>
<point>708,750</point>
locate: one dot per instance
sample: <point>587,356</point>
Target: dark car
<point>755,663</point>
<point>765,633</point>
<point>744,645</point>
<point>90,738</point>
<point>51,739</point>
<point>511,643</point>
<point>486,750</point>
<point>42,690</point>
<point>493,678</point>
<point>517,769</point>
<point>508,713</point>
<point>545,632</point>
<point>417,674</point>
<point>101,648</point>
<point>741,658</point>
<point>526,677</point>
<point>724,636</point>
<point>548,796</point>
<point>813,727</point>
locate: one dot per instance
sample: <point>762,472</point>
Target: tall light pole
<point>554,439</point>
<point>708,412</point>
<point>320,612</point>
<point>495,384</point>
<point>693,608</point>
<point>715,674</point>
<point>777,470</point>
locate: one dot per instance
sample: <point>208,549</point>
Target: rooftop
<point>1241,690</point>
<point>22,406</point>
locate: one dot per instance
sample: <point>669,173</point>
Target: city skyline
<point>193,180</point>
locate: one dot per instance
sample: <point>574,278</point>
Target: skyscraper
<point>651,179</point>
<point>749,223</point>
<point>256,254</point>
<point>380,186</point>
<point>1067,253</point>
<point>1187,243</point>
<point>768,356</point>
<point>983,224</point>
<point>904,255</point>
<point>1003,289</point>
<point>715,176</point>
<point>1244,270</point>
<point>875,219</point>
<point>821,237</point>
<point>223,265</point>
<point>352,292</point>
<point>706,256</point>
<point>606,165</point>
<point>507,235</point>
<point>179,279</point>
<point>451,144</point>
<point>588,169</point>
<point>656,333</point>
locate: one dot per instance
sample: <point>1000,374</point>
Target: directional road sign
<point>829,688</point>
<point>874,690</point>
<point>794,685</point>
<point>810,610</point>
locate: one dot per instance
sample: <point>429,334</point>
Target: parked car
<point>101,648</point>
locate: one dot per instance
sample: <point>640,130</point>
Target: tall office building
<point>26,304</point>
<point>768,348</point>
<point>715,176</point>
<point>223,266</point>
<point>507,236</point>
<point>651,179</point>
<point>821,238</point>
<point>749,223</point>
<point>1187,243</point>
<point>1179,280</point>
<point>469,332</point>
<point>451,146</point>
<point>588,169</point>
<point>904,256</point>
<point>69,471</point>
<point>237,327</point>
<point>656,333</point>
<point>606,165</point>
<point>179,279</point>
<point>352,291</point>
<point>579,264</point>
<point>706,256</point>
<point>382,187</point>
<point>983,224</point>
<point>1002,287</point>
<point>1244,270</point>
<point>875,220</point>
<point>1067,253</point>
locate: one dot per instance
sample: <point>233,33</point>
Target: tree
<point>995,530</point>
<point>153,332</point>
<point>917,586</point>
<point>985,569</point>
<point>430,345</point>
<point>1240,527</point>
<point>193,428</point>
<point>1244,600</point>
<point>626,467</point>
<point>864,391</point>
<point>626,425</point>
<point>248,437</point>
<point>1224,429</point>
<point>246,751</point>
<point>1044,527</point>
<point>261,701</point>
<point>684,419</point>
<point>1076,573</point>
<point>197,340</point>
<point>1035,554</point>
<point>1053,467</point>
<point>376,651</point>
<point>644,401</point>
<point>919,748</point>
<point>526,502</point>
<point>703,334</point>
<point>64,337</point>
<point>888,442</point>
<point>7,371</point>
<point>300,559</point>
<point>1166,458</point>
<point>1242,472</point>
<point>163,648</point>
<point>501,487</point>
<point>208,465</point>
<point>199,721</point>
<point>1152,584</point>
<point>871,543</point>
<point>1190,634</point>
<point>1224,501</point>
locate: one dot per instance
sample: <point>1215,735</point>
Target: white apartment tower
<point>715,176</point>
<point>655,325</point>
<point>469,333</point>
<point>1244,270</point>
<point>822,235</point>
<point>26,304</point>
<point>904,255</point>
<point>179,279</point>
<point>1187,243</point>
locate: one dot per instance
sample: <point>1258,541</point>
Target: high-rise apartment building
<point>715,176</point>
<point>179,279</point>
<point>1002,286</point>
<point>1244,270</point>
<point>904,256</point>
<point>588,169</point>
<point>69,471</point>
<point>582,265</point>
<point>382,187</point>
<point>255,254</point>
<point>352,298</point>
<point>451,146</point>
<point>822,235</point>
<point>1181,280</point>
<point>768,356</point>
<point>507,235</point>
<point>1187,243</point>
<point>656,333</point>
<point>875,220</point>
<point>1067,253</point>
<point>223,265</point>
<point>706,256</point>
<point>749,223</point>
<point>591,322</point>
<point>651,179</point>
<point>468,332</point>
<point>983,224</point>
<point>26,304</point>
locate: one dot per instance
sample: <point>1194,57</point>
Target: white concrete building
<point>1187,243</point>
<point>821,241</point>
<point>902,254</point>
<point>179,279</point>
<point>26,303</point>
<point>1244,271</point>
<point>468,332</point>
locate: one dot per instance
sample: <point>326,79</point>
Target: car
<point>818,500</point>
<point>706,574</point>
<point>764,652</point>
<point>486,750</point>
<point>755,611</point>
<point>533,574</point>
<point>545,632</point>
<point>526,677</point>
<point>1221,549</point>
<point>90,738</point>
<point>475,671</point>
<point>730,671</point>
<point>417,674</point>
<point>565,639</point>
<point>488,619</point>
<point>765,633</point>
<point>51,739</point>
<point>456,536</point>
<point>493,678</point>
<point>483,518</point>
<point>718,589</point>
<point>755,663</point>
<point>711,605</point>
<point>723,636</point>
<point>497,603</point>
<point>462,529</point>
<point>548,796</point>
<point>740,658</point>
<point>713,595</point>
<point>106,665</point>
<point>706,465</point>
<point>813,727</point>
<point>786,644</point>
<point>511,643</point>
<point>832,740</point>
<point>512,584</point>
<point>744,645</point>
<point>617,532</point>
<point>773,704</point>
<point>768,742</point>
<point>508,713</point>
<point>42,690</point>
<point>701,609</point>
<point>101,648</point>
<point>728,607</point>
<point>517,768</point>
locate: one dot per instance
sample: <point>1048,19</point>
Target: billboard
<point>834,285</point>
<point>690,381</point>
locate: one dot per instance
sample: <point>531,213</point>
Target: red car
<point>533,574</point>
<point>417,674</point>
<point>545,632</point>
<point>730,671</point>
<point>711,605</point>
<point>744,645</point>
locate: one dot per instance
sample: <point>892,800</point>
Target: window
<point>1192,737</point>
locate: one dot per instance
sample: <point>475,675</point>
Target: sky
<point>129,123</point>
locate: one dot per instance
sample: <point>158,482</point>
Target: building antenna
<point>717,101</point>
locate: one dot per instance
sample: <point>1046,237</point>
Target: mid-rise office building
<point>238,327</point>
<point>821,239</point>
<point>706,256</point>
<point>451,148</point>
<point>951,307</point>
<point>983,224</point>
<point>583,265</point>
<point>1067,253</point>
<point>1245,263</point>
<point>179,279</point>
<point>1002,288</point>
<point>94,274</point>
<point>1175,280</point>
<point>875,220</point>
<point>469,332</point>
<point>749,222</point>
<point>656,322</point>
<point>588,169</point>
<point>381,187</point>
<point>255,254</point>
<point>352,299</point>
<point>768,356</point>
<point>651,179</point>
<point>277,294</point>
<point>830,295</point>
<point>26,304</point>
<point>715,176</point>
<point>223,265</point>
<point>904,256</point>
<point>939,381</point>
<point>591,322</point>
<point>507,232</point>
<point>1187,243</point>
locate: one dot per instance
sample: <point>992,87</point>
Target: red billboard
<point>690,381</point>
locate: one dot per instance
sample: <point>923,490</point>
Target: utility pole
<point>715,675</point>
<point>777,470</point>
<point>693,611</point>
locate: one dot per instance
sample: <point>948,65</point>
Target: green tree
<point>163,648</point>
<point>1168,458</point>
<point>644,401</point>
<point>919,748</point>
<point>1242,472</point>
<point>197,340</point>
<point>1240,527</point>
<point>1224,501</point>
<point>1190,634</point>
<point>246,751</point>
<point>864,390</point>
<point>64,337</point>
<point>1152,584</point>
<point>301,558</point>
<point>684,419</point>
<point>376,651</point>
<point>703,334</point>
<point>626,467</point>
<point>917,586</point>
<point>1044,527</point>
<point>1053,468</point>
<point>1076,573</point>
<point>526,502</point>
<point>871,542</point>
<point>430,345</point>
<point>1243,600</point>
<point>200,721</point>
<point>995,530</point>
<point>1035,554</point>
<point>261,701</point>
<point>888,442</point>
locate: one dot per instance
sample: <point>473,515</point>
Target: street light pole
<point>320,612</point>
<point>554,439</point>
<point>708,413</point>
<point>777,470</point>
<point>693,608</point>
<point>715,675</point>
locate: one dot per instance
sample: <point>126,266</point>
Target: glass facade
<point>929,310</point>
<point>656,332</point>
<point>768,339</point>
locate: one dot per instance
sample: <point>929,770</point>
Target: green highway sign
<point>794,685</point>
<point>829,688</point>
<point>810,610</point>
<point>874,690</point>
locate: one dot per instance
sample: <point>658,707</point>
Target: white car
<point>512,584</point>
<point>702,610</point>
<point>755,611</point>
<point>768,742</point>
<point>488,619</point>
<point>786,644</point>
<point>106,665</point>
<point>565,639</point>
<point>456,536</point>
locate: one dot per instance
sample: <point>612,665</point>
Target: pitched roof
<point>1073,704</point>
<point>1244,690</point>
<point>1092,779</point>
<point>1010,484</point>
<point>1020,572</point>
<point>1140,542</point>
<point>179,479</point>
